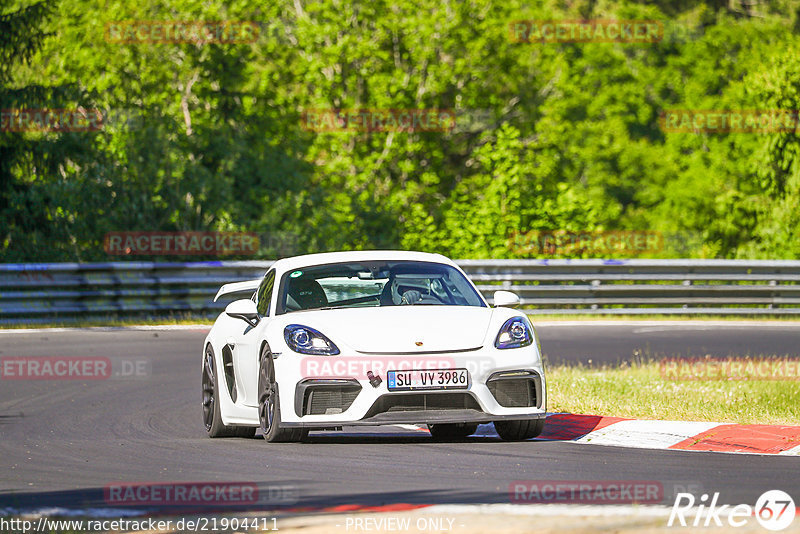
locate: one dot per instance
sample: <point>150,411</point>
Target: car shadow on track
<point>388,435</point>
<point>386,439</point>
<point>559,427</point>
<point>6,419</point>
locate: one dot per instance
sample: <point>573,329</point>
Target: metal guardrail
<point>645,286</point>
<point>64,291</point>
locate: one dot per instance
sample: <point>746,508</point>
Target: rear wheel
<point>519,430</point>
<point>212,419</point>
<point>452,431</point>
<point>269,406</point>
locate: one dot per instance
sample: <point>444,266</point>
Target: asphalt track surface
<point>62,442</point>
<point>613,342</point>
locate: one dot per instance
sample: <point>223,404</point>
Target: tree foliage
<point>548,136</point>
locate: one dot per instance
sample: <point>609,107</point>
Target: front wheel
<point>269,405</point>
<point>519,430</point>
<point>212,419</point>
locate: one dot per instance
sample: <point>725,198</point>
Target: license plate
<point>427,379</point>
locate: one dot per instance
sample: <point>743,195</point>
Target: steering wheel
<point>411,296</point>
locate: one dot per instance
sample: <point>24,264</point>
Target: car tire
<point>269,405</point>
<point>452,431</point>
<point>519,430</point>
<point>212,419</point>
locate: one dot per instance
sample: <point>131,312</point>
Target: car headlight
<point>306,340</point>
<point>516,332</point>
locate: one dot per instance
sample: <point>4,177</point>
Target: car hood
<point>401,329</point>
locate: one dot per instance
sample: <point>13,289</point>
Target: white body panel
<point>237,287</point>
<point>371,338</point>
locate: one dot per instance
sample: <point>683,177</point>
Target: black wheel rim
<point>208,389</point>
<point>268,396</point>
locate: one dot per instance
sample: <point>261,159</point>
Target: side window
<point>264,293</point>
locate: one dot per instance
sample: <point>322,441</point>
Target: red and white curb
<point>673,435</point>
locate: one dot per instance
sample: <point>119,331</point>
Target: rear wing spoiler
<point>238,287</point>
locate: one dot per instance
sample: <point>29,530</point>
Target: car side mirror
<point>244,309</point>
<point>506,299</point>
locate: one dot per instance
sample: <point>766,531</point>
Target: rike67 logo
<point>774,510</point>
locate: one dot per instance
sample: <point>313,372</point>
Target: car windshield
<point>376,284</point>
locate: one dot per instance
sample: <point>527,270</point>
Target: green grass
<point>638,391</point>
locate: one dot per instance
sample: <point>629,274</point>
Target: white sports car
<point>370,338</point>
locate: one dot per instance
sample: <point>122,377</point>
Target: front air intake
<point>515,389</point>
<point>325,397</point>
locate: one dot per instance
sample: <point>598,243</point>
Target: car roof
<point>308,260</point>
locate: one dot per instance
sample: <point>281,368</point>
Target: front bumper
<point>419,417</point>
<point>504,385</point>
